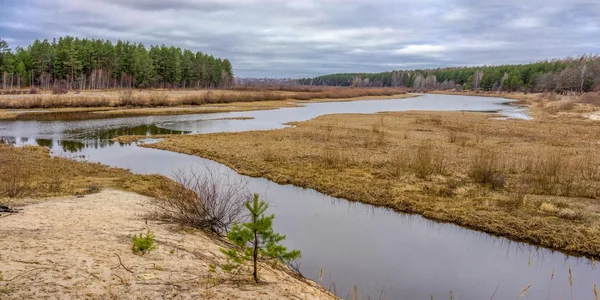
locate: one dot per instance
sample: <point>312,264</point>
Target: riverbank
<point>81,248</point>
<point>73,224</point>
<point>120,103</point>
<point>533,181</point>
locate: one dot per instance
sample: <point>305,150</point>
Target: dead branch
<point>122,265</point>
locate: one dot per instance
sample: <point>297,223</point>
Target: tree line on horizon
<point>580,74</point>
<point>75,64</point>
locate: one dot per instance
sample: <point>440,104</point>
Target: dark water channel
<point>403,256</point>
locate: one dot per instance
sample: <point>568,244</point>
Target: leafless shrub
<point>60,87</point>
<point>202,200</point>
<point>590,98</point>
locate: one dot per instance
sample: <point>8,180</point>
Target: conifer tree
<point>256,241</point>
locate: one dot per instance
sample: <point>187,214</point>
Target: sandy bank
<point>67,248</point>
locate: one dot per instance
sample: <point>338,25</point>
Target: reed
<point>524,291</point>
<point>15,99</point>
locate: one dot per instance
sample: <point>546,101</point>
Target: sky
<point>288,38</point>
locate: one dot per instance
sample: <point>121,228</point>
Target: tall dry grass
<point>425,161</point>
<point>57,101</point>
<point>131,98</point>
<point>486,169</point>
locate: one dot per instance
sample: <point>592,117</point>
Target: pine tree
<point>256,241</point>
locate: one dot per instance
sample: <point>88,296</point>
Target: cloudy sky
<point>288,38</point>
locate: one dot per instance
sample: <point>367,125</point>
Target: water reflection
<point>44,142</point>
<point>107,134</point>
<point>98,138</point>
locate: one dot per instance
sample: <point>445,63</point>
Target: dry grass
<point>169,102</point>
<point>497,181</point>
<point>31,172</point>
<point>160,98</point>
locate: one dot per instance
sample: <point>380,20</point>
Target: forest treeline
<point>74,63</point>
<point>561,75</point>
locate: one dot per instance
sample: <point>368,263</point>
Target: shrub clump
<point>143,243</point>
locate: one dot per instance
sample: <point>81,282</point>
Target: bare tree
<point>477,79</point>
<point>546,82</point>
<point>584,72</point>
<point>567,80</point>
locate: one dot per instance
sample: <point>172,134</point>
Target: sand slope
<point>67,248</point>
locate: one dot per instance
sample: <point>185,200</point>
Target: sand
<point>66,248</point>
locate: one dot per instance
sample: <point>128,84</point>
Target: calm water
<point>405,256</point>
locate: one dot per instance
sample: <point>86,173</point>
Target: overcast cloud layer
<point>271,38</point>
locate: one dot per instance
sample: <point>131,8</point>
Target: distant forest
<point>562,75</point>
<point>74,63</point>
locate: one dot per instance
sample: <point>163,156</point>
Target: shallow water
<point>403,256</point>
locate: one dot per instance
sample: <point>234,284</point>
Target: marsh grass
<point>30,172</point>
<point>159,99</point>
<point>486,169</point>
<point>425,161</point>
<point>332,158</point>
<point>16,176</point>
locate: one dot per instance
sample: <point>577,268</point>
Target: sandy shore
<point>67,248</point>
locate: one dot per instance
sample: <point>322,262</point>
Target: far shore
<point>177,102</point>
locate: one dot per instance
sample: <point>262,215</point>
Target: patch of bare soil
<point>81,248</point>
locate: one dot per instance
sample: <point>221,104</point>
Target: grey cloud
<point>277,38</point>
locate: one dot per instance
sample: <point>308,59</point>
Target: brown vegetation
<point>31,172</point>
<point>201,200</point>
<point>465,168</point>
<point>106,104</point>
<point>131,98</point>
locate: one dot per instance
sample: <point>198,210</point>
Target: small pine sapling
<point>143,243</point>
<point>256,241</point>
